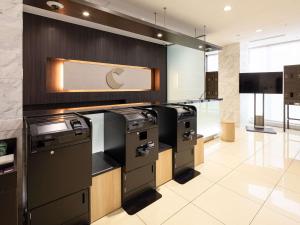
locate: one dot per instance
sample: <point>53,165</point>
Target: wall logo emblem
<point>110,80</point>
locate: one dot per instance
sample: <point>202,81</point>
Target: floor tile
<point>161,210</point>
<point>294,167</point>
<point>191,189</point>
<point>252,187</point>
<point>268,217</point>
<point>291,182</point>
<point>293,135</point>
<point>246,147</point>
<point>293,148</point>
<point>226,159</point>
<point>213,171</point>
<point>285,202</point>
<point>191,215</point>
<point>259,166</point>
<point>227,206</point>
<point>119,217</point>
<point>286,149</point>
<point>213,147</point>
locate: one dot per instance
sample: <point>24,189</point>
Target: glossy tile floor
<point>255,180</point>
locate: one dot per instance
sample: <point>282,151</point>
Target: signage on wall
<point>110,80</point>
<point>80,76</point>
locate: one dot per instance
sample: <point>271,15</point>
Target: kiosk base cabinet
<point>199,152</point>
<point>70,210</point>
<point>8,199</point>
<point>164,167</point>
<point>105,194</point>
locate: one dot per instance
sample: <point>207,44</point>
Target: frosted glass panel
<point>185,73</point>
<point>98,131</point>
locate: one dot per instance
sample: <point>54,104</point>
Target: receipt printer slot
<point>76,124</point>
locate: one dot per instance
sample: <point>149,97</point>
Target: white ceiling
<point>274,17</point>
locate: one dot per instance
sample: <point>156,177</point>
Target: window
<point>212,62</point>
<point>270,58</point>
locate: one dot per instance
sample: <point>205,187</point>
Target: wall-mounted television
<point>264,83</point>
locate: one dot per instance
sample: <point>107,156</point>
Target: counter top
<point>102,163</point>
<point>163,147</point>
<point>199,136</point>
<point>102,108</point>
<point>83,110</point>
<point>191,101</point>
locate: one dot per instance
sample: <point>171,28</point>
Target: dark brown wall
<point>44,37</point>
<point>211,85</point>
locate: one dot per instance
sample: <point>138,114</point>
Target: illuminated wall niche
<point>84,76</point>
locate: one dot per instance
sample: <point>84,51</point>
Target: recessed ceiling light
<point>85,13</point>
<point>159,35</point>
<point>227,8</point>
<point>259,30</point>
<point>200,46</point>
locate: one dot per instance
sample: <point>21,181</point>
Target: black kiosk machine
<point>178,128</point>
<point>58,169</point>
<point>131,138</point>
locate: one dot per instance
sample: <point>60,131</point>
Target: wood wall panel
<point>47,38</point>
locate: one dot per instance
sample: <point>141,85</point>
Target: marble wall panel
<point>229,69</point>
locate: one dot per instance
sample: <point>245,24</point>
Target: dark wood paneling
<point>211,83</point>
<point>44,38</point>
<point>110,18</point>
<point>292,84</point>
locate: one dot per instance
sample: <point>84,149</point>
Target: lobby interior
<point>157,112</point>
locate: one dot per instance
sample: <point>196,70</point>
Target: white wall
<point>185,73</point>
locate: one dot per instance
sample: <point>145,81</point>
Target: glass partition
<point>185,73</point>
<point>98,131</point>
<point>208,117</point>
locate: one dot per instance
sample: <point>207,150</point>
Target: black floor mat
<point>138,203</point>
<point>186,176</point>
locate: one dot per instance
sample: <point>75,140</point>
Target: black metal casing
<point>178,128</point>
<point>9,183</point>
<point>8,198</point>
<point>131,138</point>
<point>59,170</point>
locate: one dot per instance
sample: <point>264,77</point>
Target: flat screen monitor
<point>264,83</point>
